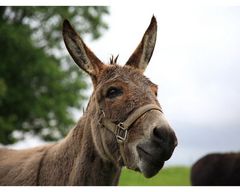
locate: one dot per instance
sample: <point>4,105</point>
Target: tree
<point>39,84</point>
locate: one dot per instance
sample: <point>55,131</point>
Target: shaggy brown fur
<point>90,154</point>
<point>217,170</point>
<point>59,164</point>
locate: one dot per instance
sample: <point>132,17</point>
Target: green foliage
<point>39,84</point>
<point>170,176</point>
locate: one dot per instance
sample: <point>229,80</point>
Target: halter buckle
<point>121,133</point>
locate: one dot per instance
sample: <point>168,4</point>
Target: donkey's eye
<point>113,92</point>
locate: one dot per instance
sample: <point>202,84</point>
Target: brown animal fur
<point>90,155</point>
<point>58,164</point>
<point>217,170</point>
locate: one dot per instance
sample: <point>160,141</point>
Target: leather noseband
<point>121,129</point>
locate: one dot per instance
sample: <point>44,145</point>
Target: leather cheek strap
<point>121,129</point>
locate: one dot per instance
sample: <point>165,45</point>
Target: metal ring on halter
<point>121,133</point>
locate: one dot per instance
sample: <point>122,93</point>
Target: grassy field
<point>170,176</point>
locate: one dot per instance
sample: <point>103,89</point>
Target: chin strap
<point>121,129</point>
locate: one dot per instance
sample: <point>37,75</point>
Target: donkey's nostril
<point>160,134</point>
<point>165,140</point>
<point>164,135</point>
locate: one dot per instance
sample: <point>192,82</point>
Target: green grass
<point>169,176</point>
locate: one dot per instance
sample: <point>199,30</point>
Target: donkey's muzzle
<point>164,141</point>
<point>160,145</point>
<point>156,150</point>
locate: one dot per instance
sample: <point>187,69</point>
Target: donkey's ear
<point>143,53</point>
<point>80,53</point>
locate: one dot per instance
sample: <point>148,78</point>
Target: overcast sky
<point>196,64</point>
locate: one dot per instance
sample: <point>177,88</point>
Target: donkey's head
<point>127,123</point>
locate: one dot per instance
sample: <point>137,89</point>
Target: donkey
<point>217,169</point>
<point>123,125</point>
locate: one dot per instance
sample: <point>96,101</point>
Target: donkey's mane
<point>113,60</point>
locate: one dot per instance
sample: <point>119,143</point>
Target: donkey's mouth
<point>148,164</point>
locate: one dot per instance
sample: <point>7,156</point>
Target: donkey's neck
<point>78,161</point>
<point>89,167</point>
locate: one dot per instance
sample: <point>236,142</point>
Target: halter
<point>121,129</point>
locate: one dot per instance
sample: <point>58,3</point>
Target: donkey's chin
<point>149,169</point>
